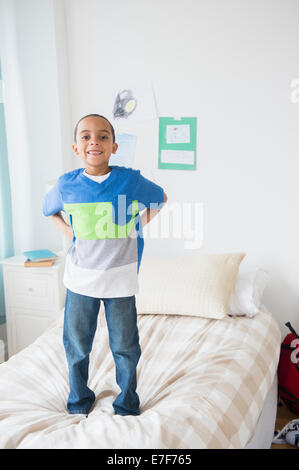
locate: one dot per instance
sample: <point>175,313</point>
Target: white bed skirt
<point>262,438</point>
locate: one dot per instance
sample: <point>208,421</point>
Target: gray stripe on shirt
<point>104,254</point>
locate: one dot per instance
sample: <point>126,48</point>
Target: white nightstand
<point>34,298</point>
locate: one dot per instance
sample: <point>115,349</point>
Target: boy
<point>103,261</point>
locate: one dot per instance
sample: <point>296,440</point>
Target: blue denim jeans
<point>80,323</point>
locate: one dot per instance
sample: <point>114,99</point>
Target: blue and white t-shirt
<point>104,258</point>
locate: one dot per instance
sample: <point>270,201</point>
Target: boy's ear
<point>115,147</point>
<point>75,149</point>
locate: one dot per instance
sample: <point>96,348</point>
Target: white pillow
<point>199,285</point>
<point>248,291</point>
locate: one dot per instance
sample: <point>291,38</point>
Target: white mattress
<point>202,384</point>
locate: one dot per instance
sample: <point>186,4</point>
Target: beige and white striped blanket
<point>202,384</point>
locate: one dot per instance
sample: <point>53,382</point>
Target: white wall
<point>230,63</point>
<point>37,112</point>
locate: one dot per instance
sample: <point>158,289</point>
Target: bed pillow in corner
<point>246,297</point>
<point>199,285</point>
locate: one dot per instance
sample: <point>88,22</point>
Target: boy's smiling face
<point>94,144</point>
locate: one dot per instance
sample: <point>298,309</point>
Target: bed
<point>203,383</point>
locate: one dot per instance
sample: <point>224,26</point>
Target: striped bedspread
<point>202,384</point>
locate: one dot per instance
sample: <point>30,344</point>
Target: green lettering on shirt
<point>94,220</point>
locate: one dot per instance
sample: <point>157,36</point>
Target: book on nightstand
<point>39,258</point>
<point>38,264</point>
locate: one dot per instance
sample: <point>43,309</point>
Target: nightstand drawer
<point>30,290</point>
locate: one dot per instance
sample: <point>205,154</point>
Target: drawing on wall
<point>125,104</point>
<point>178,134</point>
<point>124,155</point>
<point>133,102</point>
<point>177,143</point>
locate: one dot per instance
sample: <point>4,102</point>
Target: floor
<point>284,416</point>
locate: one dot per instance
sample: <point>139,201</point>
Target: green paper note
<point>177,143</point>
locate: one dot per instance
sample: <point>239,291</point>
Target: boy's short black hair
<point>97,115</point>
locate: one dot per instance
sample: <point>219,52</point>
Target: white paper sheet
<point>178,156</point>
<point>124,155</point>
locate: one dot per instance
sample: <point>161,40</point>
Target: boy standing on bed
<point>103,261</point>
